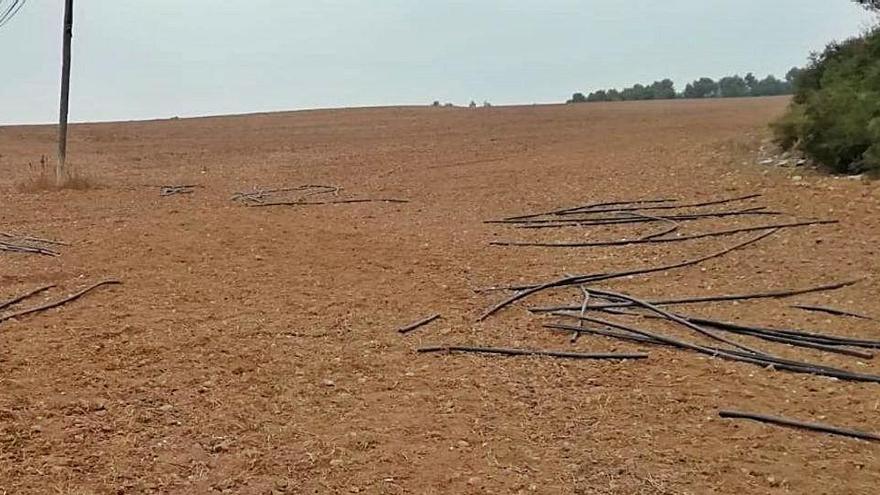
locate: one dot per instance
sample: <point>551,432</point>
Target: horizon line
<point>367,107</point>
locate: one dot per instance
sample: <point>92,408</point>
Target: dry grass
<point>42,179</point>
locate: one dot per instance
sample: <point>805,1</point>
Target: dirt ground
<point>252,350</point>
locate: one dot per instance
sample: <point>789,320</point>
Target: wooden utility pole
<point>60,170</point>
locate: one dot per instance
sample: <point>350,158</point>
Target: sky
<point>136,59</point>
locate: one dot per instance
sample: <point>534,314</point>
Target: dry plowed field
<point>253,349</point>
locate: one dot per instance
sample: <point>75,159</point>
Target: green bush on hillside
<point>835,114</point>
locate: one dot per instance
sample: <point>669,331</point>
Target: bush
<point>835,114</point>
<point>789,129</point>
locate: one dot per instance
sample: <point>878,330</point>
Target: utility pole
<point>60,171</point>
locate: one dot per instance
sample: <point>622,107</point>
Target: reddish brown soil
<point>252,350</point>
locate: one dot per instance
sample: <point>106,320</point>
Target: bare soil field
<point>253,350</point>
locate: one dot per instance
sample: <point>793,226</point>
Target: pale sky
<point>138,59</point>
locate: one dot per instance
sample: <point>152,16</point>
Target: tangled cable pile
<point>599,310</point>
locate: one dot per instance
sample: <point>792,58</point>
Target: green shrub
<point>789,129</point>
<point>872,155</point>
<point>835,114</point>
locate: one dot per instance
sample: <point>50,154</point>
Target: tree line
<point>727,87</point>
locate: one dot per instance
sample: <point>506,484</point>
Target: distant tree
<point>728,87</point>
<point>869,4</point>
<point>637,92</point>
<point>436,103</point>
<point>770,86</point>
<point>733,87</point>
<point>751,82</point>
<point>600,95</point>
<point>473,104</point>
<point>701,88</point>
<point>663,90</point>
<point>486,104</point>
<point>795,78</point>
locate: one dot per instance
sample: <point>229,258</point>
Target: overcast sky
<point>136,59</point>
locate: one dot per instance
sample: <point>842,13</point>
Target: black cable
<point>6,14</point>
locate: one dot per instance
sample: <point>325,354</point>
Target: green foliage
<point>637,92</point>
<point>663,90</point>
<point>790,127</point>
<point>770,86</point>
<point>727,87</point>
<point>733,87</point>
<point>793,74</point>
<point>835,114</point>
<point>600,95</point>
<point>659,90</point>
<point>701,88</point>
<point>751,82</point>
